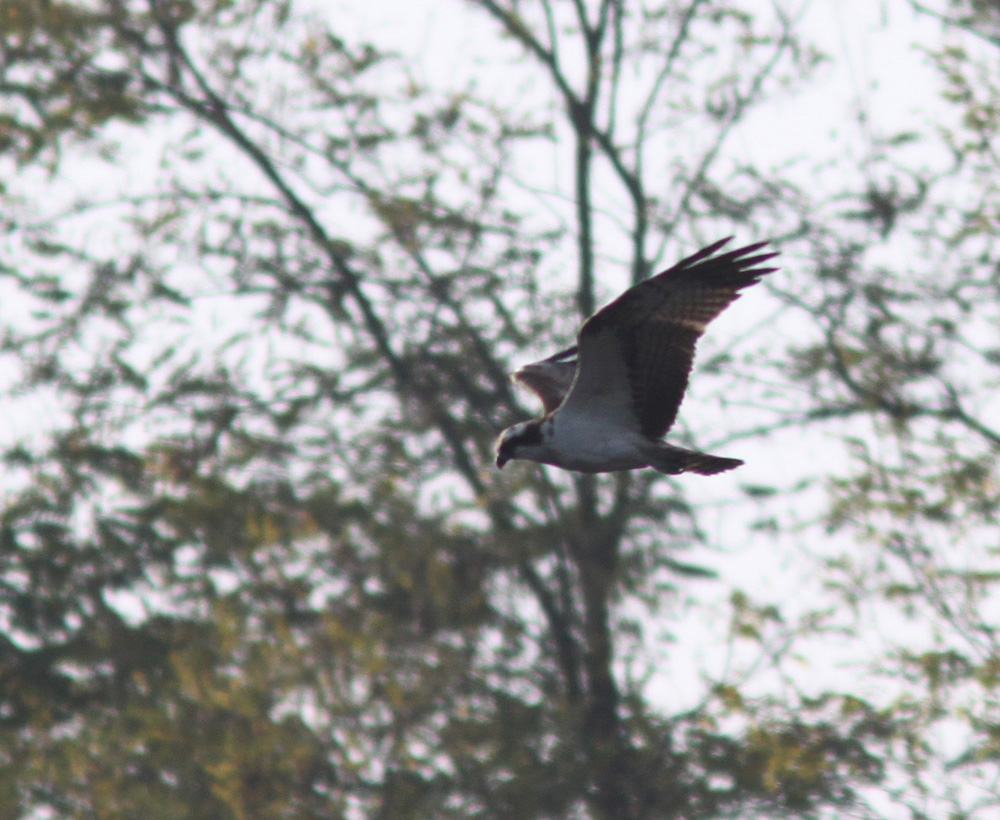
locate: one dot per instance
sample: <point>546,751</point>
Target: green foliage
<point>909,344</point>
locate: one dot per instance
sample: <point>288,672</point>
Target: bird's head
<point>519,441</point>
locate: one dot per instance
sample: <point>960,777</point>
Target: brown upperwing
<point>658,322</point>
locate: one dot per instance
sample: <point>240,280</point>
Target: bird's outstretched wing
<point>549,379</point>
<point>635,354</point>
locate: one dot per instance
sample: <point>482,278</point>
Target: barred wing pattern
<point>647,338</point>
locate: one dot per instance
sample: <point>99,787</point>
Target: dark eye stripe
<point>530,435</point>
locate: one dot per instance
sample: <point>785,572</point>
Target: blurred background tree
<point>263,287</point>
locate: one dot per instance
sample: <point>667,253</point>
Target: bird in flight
<point>611,398</point>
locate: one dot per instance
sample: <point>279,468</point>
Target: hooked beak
<point>501,460</point>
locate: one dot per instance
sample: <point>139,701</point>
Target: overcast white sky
<point>875,65</point>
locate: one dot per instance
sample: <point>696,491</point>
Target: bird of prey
<point>611,398</point>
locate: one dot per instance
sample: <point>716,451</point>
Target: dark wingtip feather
<point>755,260</point>
<point>704,253</point>
<point>739,257</point>
<point>753,247</point>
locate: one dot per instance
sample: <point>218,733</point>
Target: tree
<point>254,560</point>
<point>908,317</point>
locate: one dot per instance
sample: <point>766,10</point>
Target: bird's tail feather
<point>673,460</point>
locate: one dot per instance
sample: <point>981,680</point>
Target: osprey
<point>610,399</point>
